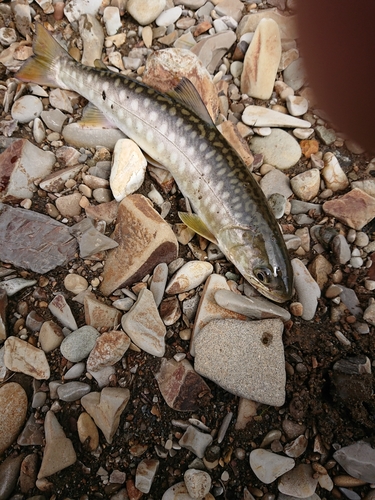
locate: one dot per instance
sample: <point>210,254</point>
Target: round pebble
<point>75,283</point>
<point>26,108</point>
<point>13,409</point>
<point>78,344</point>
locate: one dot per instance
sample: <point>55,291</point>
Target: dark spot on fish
<point>111,106</point>
<point>267,338</point>
<point>104,95</point>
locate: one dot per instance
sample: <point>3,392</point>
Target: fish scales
<point>231,207</point>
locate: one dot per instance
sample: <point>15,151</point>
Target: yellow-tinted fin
<point>99,64</point>
<point>153,162</point>
<point>186,94</point>
<point>40,68</point>
<point>197,225</point>
<point>93,117</point>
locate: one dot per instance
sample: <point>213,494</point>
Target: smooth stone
<point>181,386</point>
<point>13,409</point>
<point>83,136</point>
<point>302,207</point>
<point>58,451</point>
<point>294,74</point>
<point>99,315</point>
<point>144,11</point>
<point>50,336</point>
<point>279,149</point>
<point>307,289</point>
<point>92,35</point>
<point>198,483</point>
<point>262,60</point>
<point>54,119</point>
<point>358,460</point>
<point>265,117</point>
<point>75,371</point>
<point>108,350</point>
<point>61,310</point>
<point>144,325</point>
<point>72,391</point>
<point>28,473</point>
<point>298,482</point>
<point>32,434</point>
<point>211,49</point>
<point>144,239</point>
<point>333,175</point>
<point>306,185</point>
<point>254,307</point>
<point>145,474</point>
<point>106,407</point>
<point>355,209</point>
<point>112,20</point>
<point>276,182</point>
<point>26,108</point>
<point>168,17</point>
<point>128,169</point>
<point>366,185</point>
<point>297,105</point>
<point>9,473</point>
<point>189,276</point>
<point>78,344</point>
<point>195,441</point>
<point>69,205</point>
<point>277,202</point>
<point>124,304</point>
<point>268,466</point>
<point>159,281</point>
<point>87,431</point>
<point>75,283</point>
<point>20,356</point>
<point>244,358</point>
<point>303,133</point>
<point>177,492</point>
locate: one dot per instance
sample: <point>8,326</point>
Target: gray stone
<point>279,148</point>
<point>294,74</point>
<point>268,466</point>
<point>72,391</point>
<point>90,240</point>
<point>276,182</point>
<point>308,290</point>
<point>358,460</point>
<point>211,49</point>
<point>195,441</point>
<point>78,344</point>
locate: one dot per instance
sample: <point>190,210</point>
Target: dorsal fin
<point>186,94</point>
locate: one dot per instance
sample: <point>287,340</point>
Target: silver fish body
<point>205,167</point>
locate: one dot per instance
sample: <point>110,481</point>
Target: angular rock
<point>276,182</point>
<point>128,169</point>
<point>34,241</point>
<point>104,211</point>
<point>20,356</point>
<point>195,441</point>
<point>358,460</point>
<point>299,482</point>
<point>265,117</point>
<point>262,60</point>
<point>144,325</point>
<point>13,409</point>
<point>76,8</point>
<point>211,49</point>
<point>279,149</point>
<point>20,165</point>
<point>87,431</point>
<point>334,176</point>
<point>145,474</point>
<point>231,8</point>
<point>61,310</point>
<point>58,451</point>
<point>144,239</point>
<point>245,358</point>
<point>306,185</point>
<point>159,280</point>
<point>55,182</point>
<point>32,434</point>
<point>78,344</point>
<point>29,472</point>
<point>189,276</point>
<point>91,241</point>
<point>268,466</point>
<point>108,350</point>
<point>181,387</point>
<point>54,119</point>
<point>355,209</point>
<point>99,315</point>
<point>92,36</point>
<point>307,289</point>
<point>105,408</point>
<point>295,76</point>
<point>320,268</point>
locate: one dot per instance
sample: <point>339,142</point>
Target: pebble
<point>334,176</point>
<point>87,431</point>
<point>13,409</point>
<point>277,203</point>
<point>20,356</point>
<point>158,283</point>
<point>26,108</point>
<point>7,36</point>
<point>297,447</point>
<point>79,135</point>
<point>75,283</point>
<point>75,371</point>
<point>306,185</point>
<point>307,289</point>
<point>198,483</point>
<point>265,117</point>
<point>262,60</point>
<point>108,350</point>
<point>355,209</point>
<point>274,182</point>
<point>128,169</point>
<point>327,135</point>
<point>189,276</point>
<point>99,315</point>
<point>169,16</point>
<point>299,482</point>
<point>145,12</point>
<point>69,205</point>
<point>112,21</point>
<point>72,391</point>
<point>211,49</point>
<point>297,105</point>
<point>295,75</point>
<point>195,441</point>
<point>9,471</point>
<point>145,474</point>
<point>144,325</point>
<point>268,466</point>
<point>58,451</point>
<point>61,310</point>
<point>78,344</point>
<point>105,408</point>
<point>279,149</point>
<point>341,249</point>
<point>59,99</point>
<point>253,366</point>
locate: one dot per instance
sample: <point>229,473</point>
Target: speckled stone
<point>13,409</point>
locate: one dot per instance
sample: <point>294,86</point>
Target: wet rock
<point>262,60</point>
<point>58,451</point>
<point>29,472</point>
<point>211,49</point>
<point>144,239</point>
<point>61,310</point>
<point>306,185</point>
<point>87,431</point>
<point>181,387</point>
<point>145,474</point>
<point>78,344</point>
<point>144,325</point>
<point>13,409</point>
<point>195,441</point>
<point>39,243</point>
<point>105,408</point>
<point>334,176</point>
<point>189,276</point>
<point>298,482</point>
<point>307,289</point>
<point>99,315</point>
<point>245,358</point>
<point>268,466</point>
<point>20,356</point>
<point>279,149</point>
<point>145,12</point>
<point>265,117</point>
<point>355,209</point>
<point>198,483</point>
<point>9,473</point>
<point>21,164</point>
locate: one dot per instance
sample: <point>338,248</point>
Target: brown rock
<point>99,315</point>
<point>181,386</point>
<point>55,182</point>
<point>104,211</point>
<point>145,240</point>
<point>109,348</point>
<point>9,471</point>
<point>20,356</point>
<point>309,147</point>
<point>320,268</point>
<point>355,209</point>
<point>13,408</point>
<point>29,471</point>
<point>202,28</point>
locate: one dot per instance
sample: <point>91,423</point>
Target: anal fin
<point>196,224</point>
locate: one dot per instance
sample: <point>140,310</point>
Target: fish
<point>176,130</point>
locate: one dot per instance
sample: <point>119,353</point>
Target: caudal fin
<point>41,68</point>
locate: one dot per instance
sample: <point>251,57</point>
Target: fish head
<point>262,260</point>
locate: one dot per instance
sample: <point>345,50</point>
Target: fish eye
<point>263,274</point>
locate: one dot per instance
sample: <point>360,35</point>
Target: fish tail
<point>42,68</point>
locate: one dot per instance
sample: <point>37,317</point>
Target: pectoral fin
<point>93,117</point>
<point>197,225</point>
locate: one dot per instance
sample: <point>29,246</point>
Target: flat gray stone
<point>358,460</point>
<point>245,358</point>
<point>34,241</point>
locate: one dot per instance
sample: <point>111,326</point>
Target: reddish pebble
<point>58,13</point>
